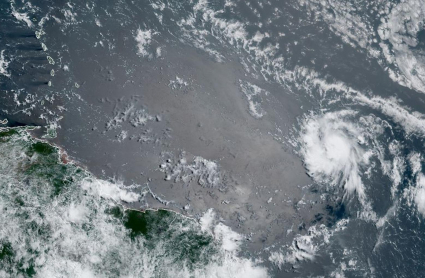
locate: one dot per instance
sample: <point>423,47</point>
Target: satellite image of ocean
<point>212,138</point>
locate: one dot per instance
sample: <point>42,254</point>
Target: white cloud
<point>108,190</point>
<point>144,39</point>
<point>4,65</point>
<point>419,194</point>
<point>331,151</point>
<point>71,234</point>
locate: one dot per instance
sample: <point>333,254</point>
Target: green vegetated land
<point>42,175</point>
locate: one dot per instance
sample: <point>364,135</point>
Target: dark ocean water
<point>290,133</point>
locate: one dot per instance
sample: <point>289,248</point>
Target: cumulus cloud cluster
<point>332,151</point>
